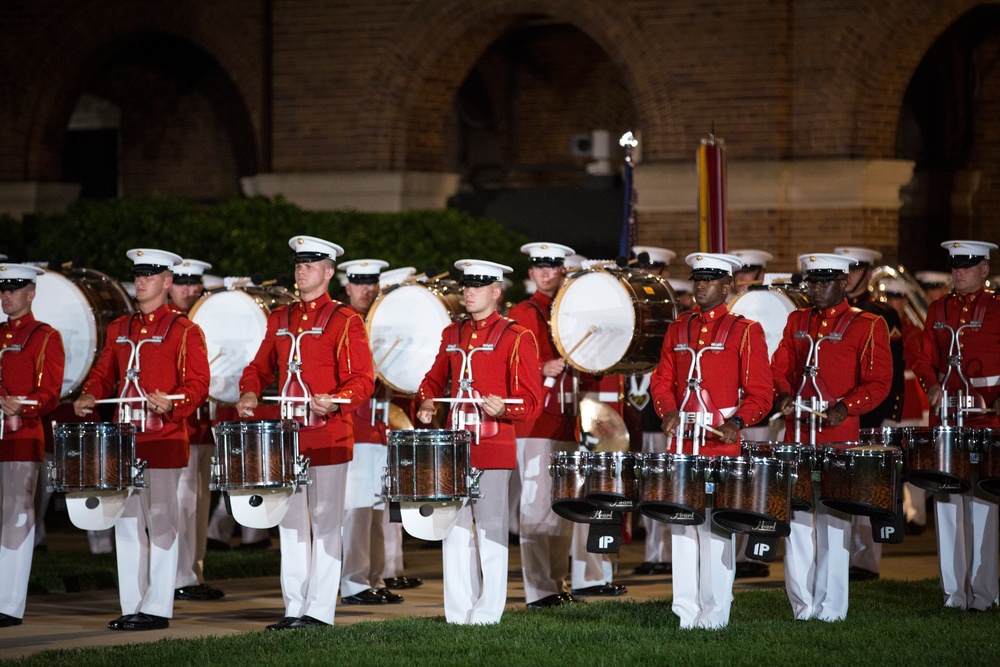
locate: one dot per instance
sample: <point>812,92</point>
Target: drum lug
<point>213,465</point>
<point>138,481</point>
<point>301,471</point>
<point>474,475</point>
<point>385,485</point>
<point>51,481</point>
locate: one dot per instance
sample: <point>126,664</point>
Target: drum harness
<point>819,399</point>
<point>466,412</point>
<point>14,422</point>
<point>295,387</point>
<point>964,400</point>
<point>131,391</point>
<point>701,419</point>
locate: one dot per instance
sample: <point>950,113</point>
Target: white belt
<point>990,381</point>
<point>601,396</point>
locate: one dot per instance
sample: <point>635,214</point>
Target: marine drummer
<point>151,355</point>
<point>849,351</point>
<point>193,495</point>
<point>734,391</point>
<point>754,265</point>
<point>32,363</point>
<point>496,360</point>
<point>335,363</point>
<point>966,522</point>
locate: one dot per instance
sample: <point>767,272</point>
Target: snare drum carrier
<point>295,391</point>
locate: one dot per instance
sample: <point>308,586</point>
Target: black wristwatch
<point>738,421</point>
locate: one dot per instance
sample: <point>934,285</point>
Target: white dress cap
<point>681,286</point>
<point>150,261</point>
<point>862,255</point>
<point>19,272</point>
<point>191,267</point>
<point>656,255</point>
<point>970,249</point>
<point>574,262</point>
<point>363,271</point>
<point>546,254</point>
<point>395,276</point>
<point>826,262</point>
<point>312,249</point>
<point>751,257</point>
<point>709,263</point>
<point>895,286</point>
<point>478,272</point>
<point>933,278</point>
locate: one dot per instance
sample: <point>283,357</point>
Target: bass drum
<point>405,324</point>
<point>234,321</point>
<point>770,305</point>
<point>612,320</point>
<point>80,304</point>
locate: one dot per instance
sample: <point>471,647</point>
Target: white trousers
<point>474,555</point>
<point>146,541</point>
<point>588,569</point>
<point>866,553</point>
<point>393,534</point>
<point>364,542</point>
<point>967,549</point>
<point>17,532</point>
<point>817,561</point>
<point>312,544</point>
<point>704,568</point>
<point>915,504</point>
<point>545,536</point>
<point>657,546</point>
<point>193,500</point>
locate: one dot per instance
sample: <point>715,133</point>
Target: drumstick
<point>305,399</point>
<point>709,429</point>
<point>24,401</point>
<point>591,331</point>
<point>138,399</point>
<point>215,358</point>
<point>509,401</point>
<point>821,415</point>
<point>386,355</point>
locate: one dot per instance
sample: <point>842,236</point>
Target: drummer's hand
<point>553,367</point>
<point>934,396</point>
<point>10,405</point>
<point>425,413</point>
<point>494,406</point>
<point>670,422</point>
<point>836,414</point>
<point>159,402</point>
<point>784,403</point>
<point>730,432</point>
<point>320,404</point>
<point>84,405</point>
<point>245,406</point>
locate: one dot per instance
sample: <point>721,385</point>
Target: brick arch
<point>442,46</point>
<point>73,48</point>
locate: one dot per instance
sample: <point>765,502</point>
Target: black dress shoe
<point>119,623</point>
<point>568,598</point>
<point>607,590</point>
<point>142,621</point>
<point>283,624</point>
<point>644,568</point>
<point>9,621</point>
<point>403,582</point>
<point>200,592</point>
<point>307,622</point>
<point>216,545</point>
<point>861,574</point>
<point>365,597</point>
<point>547,602</point>
<point>389,596</point>
<point>750,570</point>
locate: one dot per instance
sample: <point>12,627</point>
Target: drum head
<point>96,510</point>
<point>593,321</point>
<point>770,307</point>
<point>234,323</point>
<point>404,331</point>
<point>430,520</point>
<point>260,508</point>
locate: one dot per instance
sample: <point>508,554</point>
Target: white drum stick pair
<point>305,399</point>
<point>508,401</point>
<point>25,401</point>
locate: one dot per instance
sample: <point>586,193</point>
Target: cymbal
<point>398,421</point>
<point>601,428</point>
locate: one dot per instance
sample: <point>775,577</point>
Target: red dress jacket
<point>980,350</point>
<point>737,376</point>
<point>856,370</point>
<point>509,371</point>
<point>364,429</point>
<point>199,424</point>
<point>337,362</point>
<point>178,365</point>
<point>36,373</point>
<point>551,423</point>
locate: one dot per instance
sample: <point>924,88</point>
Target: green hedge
<point>250,236</point>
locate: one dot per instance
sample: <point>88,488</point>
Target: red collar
<point>544,301</point>
<point>21,322</point>
<point>835,311</point>
<point>713,315</point>
<point>487,322</point>
<point>316,304</point>
<point>156,316</point>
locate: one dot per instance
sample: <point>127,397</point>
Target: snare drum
<point>611,320</point>
<point>803,459</point>
<point>568,477</point>
<point>80,304</point>
<point>257,455</point>
<point>430,465</point>
<point>863,480</point>
<point>752,495</point>
<point>405,324</point>
<point>234,322</point>
<point>939,459</point>
<point>672,487</point>
<point>989,459</point>
<point>888,437</point>
<point>610,482</point>
<point>771,306</point>
<point>94,456</point>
